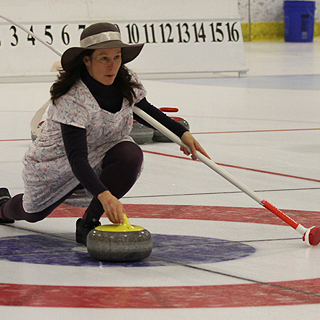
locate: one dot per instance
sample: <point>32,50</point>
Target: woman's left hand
<point>194,146</point>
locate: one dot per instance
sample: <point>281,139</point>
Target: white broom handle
<point>169,134</point>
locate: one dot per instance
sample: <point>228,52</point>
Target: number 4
<point>30,38</point>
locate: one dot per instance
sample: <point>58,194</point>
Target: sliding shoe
<point>83,227</point>
<point>4,197</point>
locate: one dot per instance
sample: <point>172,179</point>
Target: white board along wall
<point>182,37</point>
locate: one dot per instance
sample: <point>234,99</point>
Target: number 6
<point>65,36</point>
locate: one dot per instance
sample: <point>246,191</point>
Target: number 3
<point>14,35</point>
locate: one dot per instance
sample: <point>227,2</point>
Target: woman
<point>85,140</point>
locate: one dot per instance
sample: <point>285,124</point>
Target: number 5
<point>47,33</point>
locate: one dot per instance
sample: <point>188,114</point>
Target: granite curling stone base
<point>119,243</point>
<point>141,134</point>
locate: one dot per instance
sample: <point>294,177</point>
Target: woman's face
<point>104,64</point>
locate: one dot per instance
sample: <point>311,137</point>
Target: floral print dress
<point>47,173</point>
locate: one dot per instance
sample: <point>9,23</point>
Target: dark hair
<point>126,84</point>
<point>67,78</point>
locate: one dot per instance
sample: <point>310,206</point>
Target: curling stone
<point>160,137</point>
<point>119,242</point>
<point>140,133</point>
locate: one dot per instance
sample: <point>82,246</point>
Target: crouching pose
<point>85,140</point>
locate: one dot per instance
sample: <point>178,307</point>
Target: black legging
<point>120,169</point>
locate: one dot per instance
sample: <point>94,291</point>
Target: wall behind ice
<point>263,20</point>
<point>206,33</point>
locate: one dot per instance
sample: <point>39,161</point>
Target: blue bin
<point>299,21</point>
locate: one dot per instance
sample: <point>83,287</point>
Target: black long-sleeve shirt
<point>75,138</point>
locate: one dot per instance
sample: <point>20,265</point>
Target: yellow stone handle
<point>122,227</point>
<point>126,221</point>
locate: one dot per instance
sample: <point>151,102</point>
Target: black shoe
<point>83,227</point>
<point>4,197</point>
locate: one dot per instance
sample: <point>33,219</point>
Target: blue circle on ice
<point>167,250</point>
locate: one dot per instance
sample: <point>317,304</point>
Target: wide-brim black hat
<point>102,35</point>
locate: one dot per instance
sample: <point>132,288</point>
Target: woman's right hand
<point>112,207</point>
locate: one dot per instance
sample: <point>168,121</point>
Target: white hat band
<point>100,37</point>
